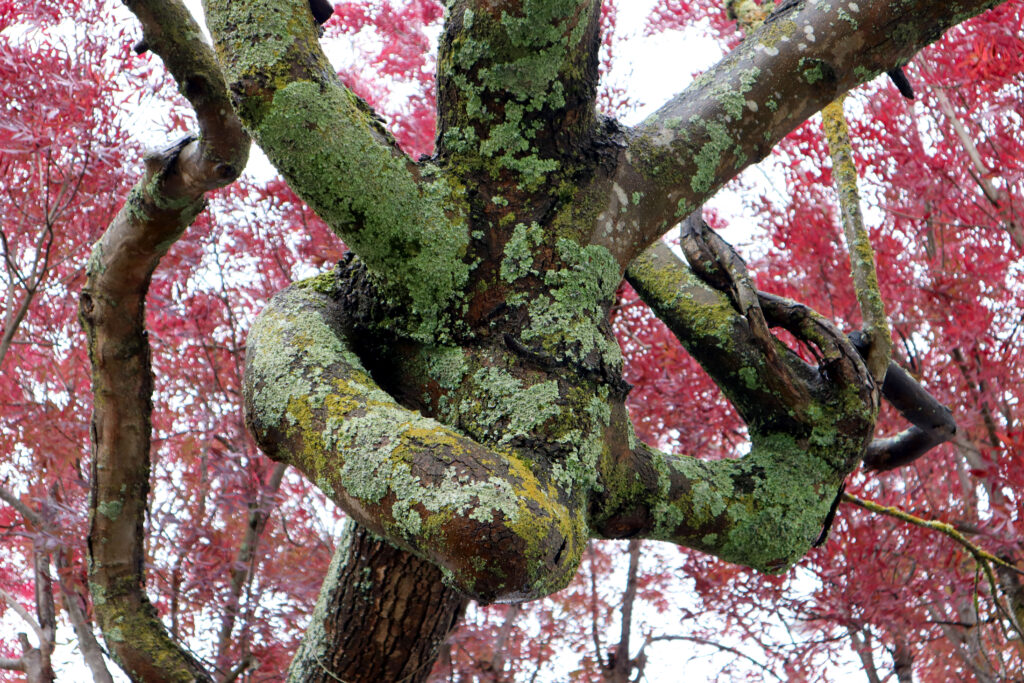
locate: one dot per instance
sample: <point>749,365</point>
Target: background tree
<point>213,490</point>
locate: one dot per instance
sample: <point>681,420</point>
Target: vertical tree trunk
<point>903,662</point>
<point>382,616</point>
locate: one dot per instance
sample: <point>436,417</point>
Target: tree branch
<point>623,665</point>
<point>33,517</point>
<point>718,646</point>
<point>111,309</point>
<point>245,562</point>
<point>862,256</point>
<point>749,364</point>
<point>90,648</point>
<point>994,195</point>
<point>733,114</point>
<point>12,664</point>
<point>403,219</point>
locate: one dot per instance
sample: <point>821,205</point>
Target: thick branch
<point>764,510</point>
<point>403,219</point>
<point>155,214</point>
<point>515,113</point>
<point>494,527</point>
<point>734,113</point>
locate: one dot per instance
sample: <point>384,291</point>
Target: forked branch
<point>158,209</point>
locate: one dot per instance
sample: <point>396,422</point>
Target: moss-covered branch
<point>404,219</point>
<point>763,510</point>
<point>496,529</point>
<point>1012,573</point>
<point>732,115</point>
<point>765,387</point>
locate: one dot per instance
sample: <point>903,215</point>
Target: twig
<point>717,645</point>
<point>862,257</point>
<point>941,527</point>
<point>984,559</point>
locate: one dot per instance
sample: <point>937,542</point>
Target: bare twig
<point>984,558</point>
<point>718,646</point>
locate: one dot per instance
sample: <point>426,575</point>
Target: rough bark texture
<point>379,601</point>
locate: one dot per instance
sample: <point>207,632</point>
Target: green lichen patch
<point>519,250</point>
<point>567,321</point>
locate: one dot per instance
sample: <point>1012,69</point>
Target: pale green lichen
<point>518,260</point>
<point>446,365</point>
<point>111,509</point>
<point>507,408</point>
<point>709,157</point>
<point>566,321</point>
<point>283,335</point>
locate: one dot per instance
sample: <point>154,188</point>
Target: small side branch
<point>985,559</point>
<point>862,257</point>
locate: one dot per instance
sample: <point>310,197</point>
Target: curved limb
<point>932,423</point>
<point>764,510</point>
<point>733,114</point>
<point>496,529</point>
<point>111,308</point>
<point>808,426</point>
<point>404,219</point>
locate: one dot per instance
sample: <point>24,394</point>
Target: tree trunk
<point>382,615</point>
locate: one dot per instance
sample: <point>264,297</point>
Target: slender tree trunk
<point>862,646</point>
<point>903,662</point>
<point>382,616</point>
<point>622,666</point>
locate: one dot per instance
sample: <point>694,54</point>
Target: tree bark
<point>112,313</point>
<point>382,615</point>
